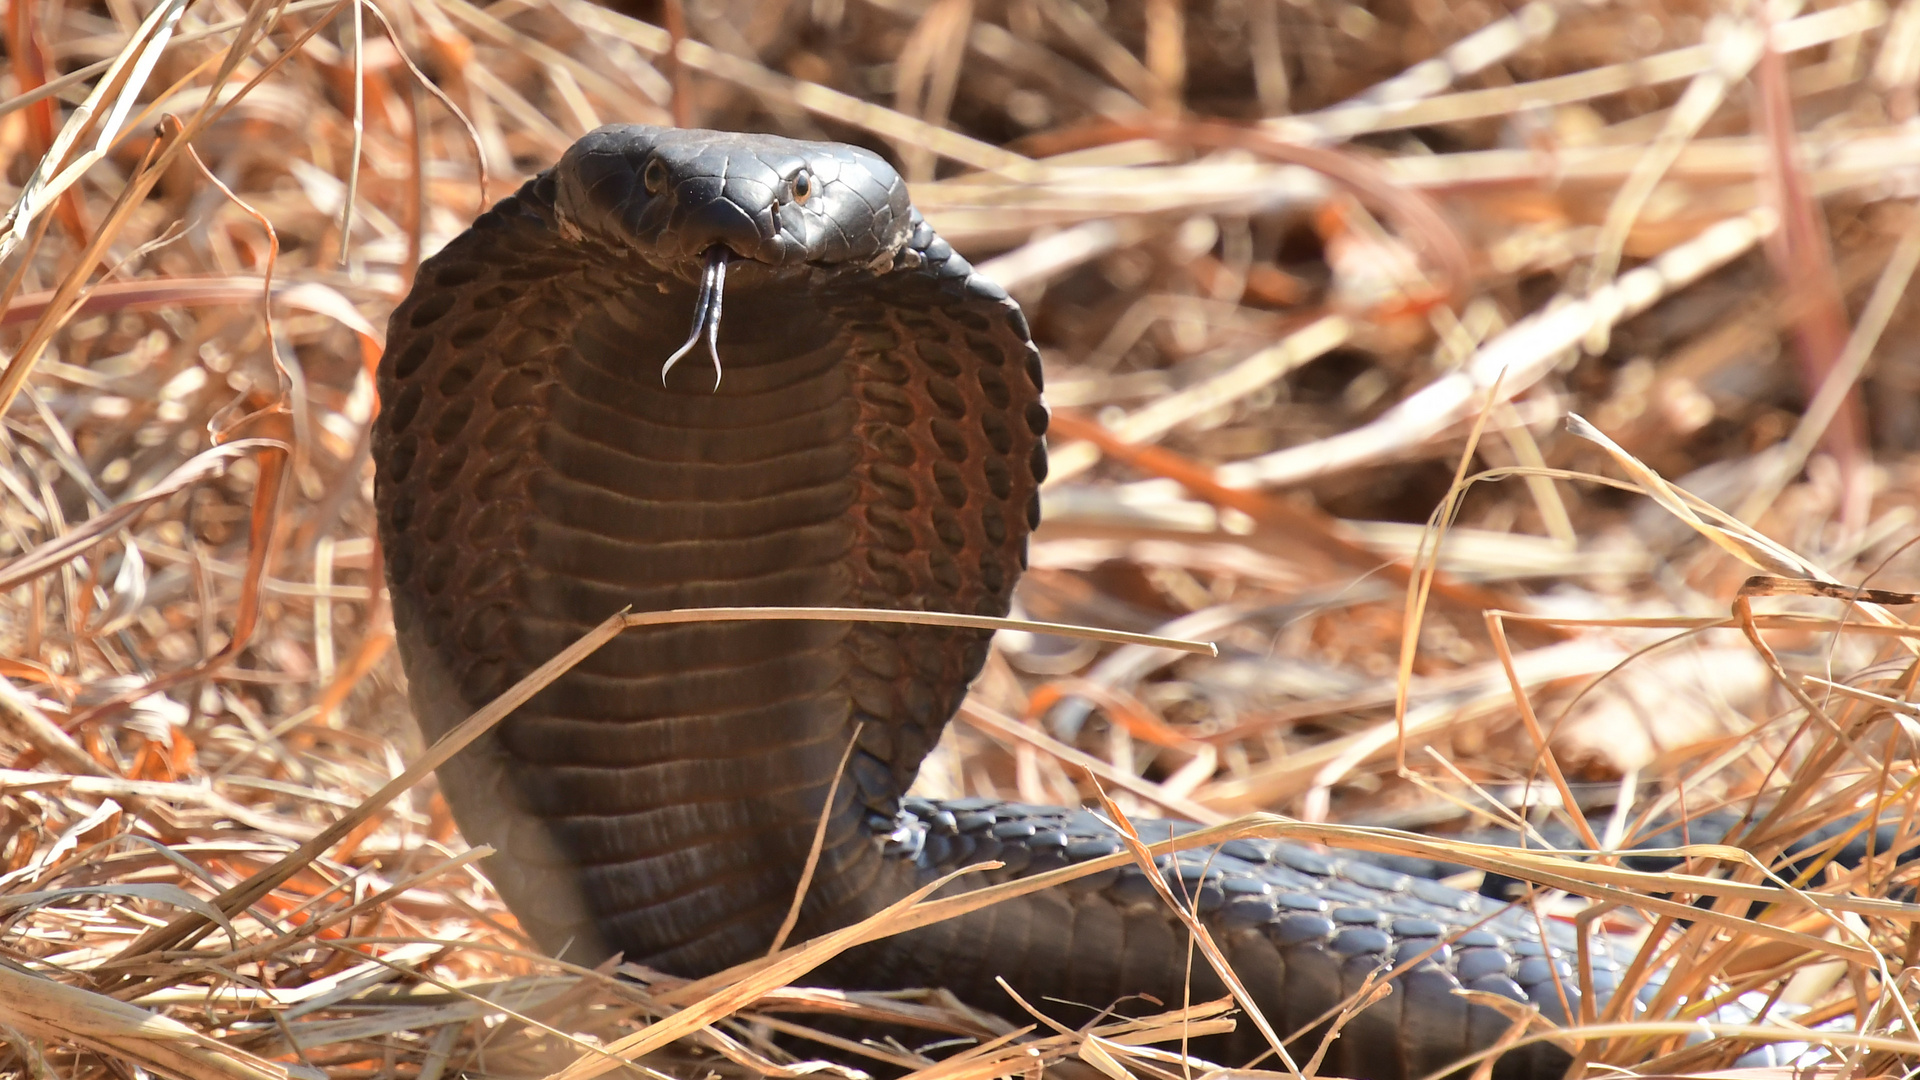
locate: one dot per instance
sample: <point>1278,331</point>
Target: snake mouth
<point>706,311</point>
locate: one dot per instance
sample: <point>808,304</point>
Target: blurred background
<point>1519,394</point>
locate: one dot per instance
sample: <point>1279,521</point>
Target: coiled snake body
<point>873,440</point>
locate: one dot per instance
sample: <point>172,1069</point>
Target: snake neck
<point>537,476</point>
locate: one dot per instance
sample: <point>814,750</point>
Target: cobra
<point>869,435</point>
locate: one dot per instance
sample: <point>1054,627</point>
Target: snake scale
<point>868,432</point>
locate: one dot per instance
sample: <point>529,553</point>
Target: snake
<point>686,369</point>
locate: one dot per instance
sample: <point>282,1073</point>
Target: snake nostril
<point>719,221</point>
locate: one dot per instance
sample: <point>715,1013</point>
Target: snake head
<point>671,195</point>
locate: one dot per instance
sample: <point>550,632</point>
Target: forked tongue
<point>706,313</point>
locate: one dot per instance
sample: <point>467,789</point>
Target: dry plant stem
<point>1736,48</point>
<point>1546,497</point>
<point>1542,751</point>
<point>682,104</point>
<point>844,1045</point>
<point>359,117</point>
<point>1832,590</point>
<point>1837,388</point>
<point>66,295</point>
<point>1803,258</point>
<point>1311,528</point>
<point>263,536</point>
<point>831,104</point>
<point>772,972</point>
<point>1518,358</point>
<point>147,294</point>
<point>1808,31</point>
<point>206,465</point>
<point>1166,54</point>
<point>30,57</point>
<point>1269,62</point>
<point>1560,870</point>
<point>1000,1057</point>
<point>415,221</point>
<point>129,73</point>
<point>1417,216</point>
<point>40,732</point>
<point>1366,996</point>
<point>263,539</point>
<point>247,893</point>
<point>928,74</point>
<point>611,1060</point>
<point>1491,809</point>
<point>170,125</point>
<point>1727,533</point>
<point>1101,211</point>
<point>1385,103</point>
<point>1426,564</point>
<point>1843,741</point>
<point>1752,1032</point>
<point>422,82</point>
<point>813,849</point>
<point>1006,727</point>
<point>916,618</point>
<point>1199,936</point>
<point>56,1012</point>
<point>266,948</point>
<point>1115,60</point>
<point>1263,368</point>
<point>79,75</point>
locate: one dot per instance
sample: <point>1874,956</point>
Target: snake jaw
<point>706,312</point>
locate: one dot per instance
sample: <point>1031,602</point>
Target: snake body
<point>875,441</point>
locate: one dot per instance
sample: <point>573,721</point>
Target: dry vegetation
<point>1283,353</point>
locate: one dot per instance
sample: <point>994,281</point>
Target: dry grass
<point>1312,378</point>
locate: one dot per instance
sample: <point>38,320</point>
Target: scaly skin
<point>875,442</point>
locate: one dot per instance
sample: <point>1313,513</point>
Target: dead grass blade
<point>249,892</point>
<point>913,618</point>
<point>197,655</point>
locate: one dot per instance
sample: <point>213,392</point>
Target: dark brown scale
<point>891,403</point>
<point>438,570</point>
<point>894,447</point>
<point>999,435</point>
<point>457,377</point>
<point>946,525</point>
<point>885,367</point>
<point>498,296</point>
<point>409,361</point>
<point>1036,417</point>
<point>451,420</point>
<point>999,478</point>
<point>890,527</point>
<point>952,488</point>
<point>473,330</point>
<point>895,485</point>
<point>446,467</point>
<point>439,523</point>
<point>401,408</point>
<point>431,310</point>
<point>946,573</point>
<point>947,399</point>
<point>995,389</point>
<point>949,438</point>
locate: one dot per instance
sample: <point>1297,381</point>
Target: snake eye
<point>654,176</point>
<point>802,186</point>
